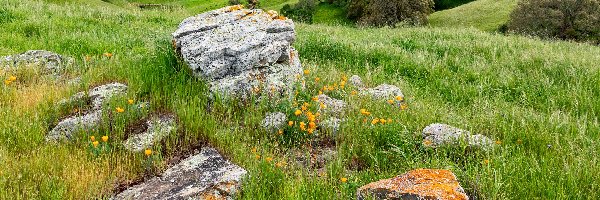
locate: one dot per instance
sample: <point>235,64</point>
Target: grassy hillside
<point>536,99</point>
<point>485,15</point>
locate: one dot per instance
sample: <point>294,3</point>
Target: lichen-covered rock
<point>77,98</point>
<point>333,124</point>
<point>158,128</point>
<point>239,51</point>
<point>416,184</point>
<point>274,121</point>
<point>101,93</point>
<point>356,81</point>
<point>442,134</point>
<point>203,176</point>
<point>333,106</point>
<point>384,91</point>
<point>66,129</point>
<point>50,62</point>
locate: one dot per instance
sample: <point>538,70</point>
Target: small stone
<point>415,184</point>
<point>356,81</point>
<point>158,128</point>
<point>442,134</point>
<point>101,93</point>
<point>202,176</point>
<point>67,128</point>
<point>384,91</point>
<point>332,124</point>
<point>50,62</point>
<point>274,121</point>
<point>333,106</point>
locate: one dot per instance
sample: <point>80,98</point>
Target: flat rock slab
<point>238,50</point>
<point>49,62</point>
<point>103,92</point>
<point>332,106</point>
<point>67,128</point>
<point>442,134</point>
<point>206,175</point>
<point>416,184</point>
<point>158,128</point>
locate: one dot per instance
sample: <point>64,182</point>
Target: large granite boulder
<point>442,134</point>
<point>239,51</point>
<point>416,184</point>
<point>49,62</point>
<point>203,176</point>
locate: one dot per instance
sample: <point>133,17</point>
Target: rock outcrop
<point>415,184</point>
<point>49,62</point>
<point>66,128</point>
<point>331,105</point>
<point>203,176</point>
<point>157,128</point>
<point>384,91</point>
<point>239,51</point>
<point>442,134</point>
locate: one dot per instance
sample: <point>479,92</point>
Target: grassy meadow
<point>538,100</point>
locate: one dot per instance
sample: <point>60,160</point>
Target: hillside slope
<point>537,99</point>
<point>486,15</point>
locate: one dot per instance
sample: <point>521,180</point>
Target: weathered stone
<point>158,128</point>
<point>332,124</point>
<point>203,176</point>
<point>274,121</point>
<point>442,134</point>
<point>356,81</point>
<point>50,63</point>
<point>416,184</point>
<point>384,91</point>
<point>77,98</point>
<point>66,129</point>
<point>239,51</point>
<point>101,93</point>
<point>333,106</point>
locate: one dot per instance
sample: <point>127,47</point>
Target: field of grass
<point>537,99</point>
<point>486,15</point>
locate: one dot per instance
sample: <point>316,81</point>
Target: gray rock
<point>101,93</point>
<point>442,134</point>
<point>203,176</point>
<point>239,50</point>
<point>332,106</point>
<point>384,91</point>
<point>66,129</point>
<point>356,81</point>
<point>158,128</point>
<point>274,121</point>
<point>77,98</point>
<point>332,124</point>
<point>50,62</point>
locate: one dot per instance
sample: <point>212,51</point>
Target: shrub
<point>577,20</point>
<point>390,12</point>
<point>303,11</point>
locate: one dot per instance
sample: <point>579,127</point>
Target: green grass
<point>486,15</point>
<point>538,98</point>
<point>331,15</point>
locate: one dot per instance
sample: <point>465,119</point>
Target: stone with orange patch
<point>416,184</point>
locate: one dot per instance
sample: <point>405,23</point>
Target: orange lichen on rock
<point>416,184</point>
<point>234,8</point>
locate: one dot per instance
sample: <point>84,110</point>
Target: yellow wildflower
<point>498,142</point>
<point>105,138</point>
<point>403,107</point>
<point>280,132</point>
<point>317,79</point>
<point>375,121</point>
<point>298,112</point>
<point>343,179</point>
<point>12,78</point>
<point>312,125</point>
<point>391,101</point>
<point>269,159</point>
<point>383,121</point>
<point>306,72</point>
<point>302,126</point>
<point>95,143</point>
<point>320,92</point>
<point>278,164</point>
<point>399,98</point>
<point>257,157</point>
<point>108,55</point>
<point>291,123</point>
<point>120,110</point>
<point>92,138</point>
<point>427,142</point>
<point>315,98</point>
<point>310,130</point>
<point>253,150</point>
<point>354,92</point>
<point>130,101</point>
<point>322,105</point>
<point>486,161</point>
<point>148,152</point>
<point>7,82</point>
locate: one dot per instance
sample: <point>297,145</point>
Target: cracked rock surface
<point>239,50</point>
<point>158,128</point>
<point>206,175</point>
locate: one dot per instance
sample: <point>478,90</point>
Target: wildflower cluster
<point>268,159</point>
<point>97,147</point>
